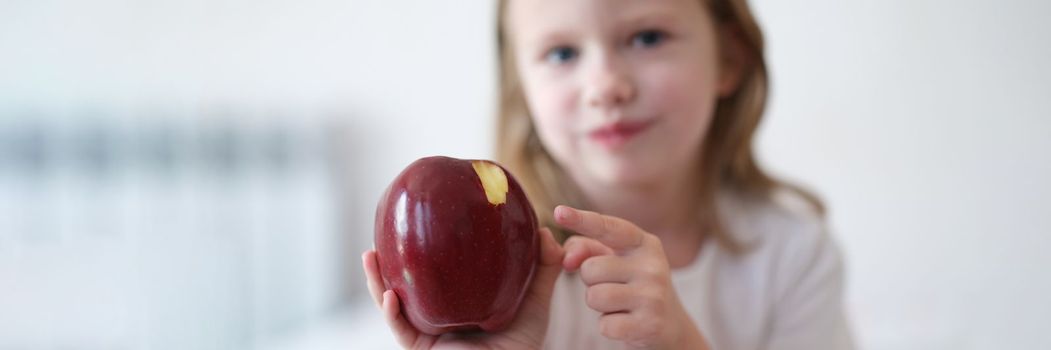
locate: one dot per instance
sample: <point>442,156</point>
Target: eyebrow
<point>650,18</point>
<point>632,19</point>
<point>546,39</point>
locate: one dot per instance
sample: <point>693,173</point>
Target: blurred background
<point>203,174</point>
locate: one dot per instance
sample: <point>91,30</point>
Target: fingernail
<point>566,213</point>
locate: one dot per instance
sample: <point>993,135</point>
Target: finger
<point>372,276</point>
<point>403,331</point>
<point>610,297</point>
<point>614,232</point>
<point>551,252</point>
<point>580,248</point>
<point>605,269</point>
<point>533,323</point>
<point>625,327</point>
<point>550,267</point>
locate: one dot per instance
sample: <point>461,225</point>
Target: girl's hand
<point>628,280</point>
<point>525,332</point>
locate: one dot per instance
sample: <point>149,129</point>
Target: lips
<point>617,134</point>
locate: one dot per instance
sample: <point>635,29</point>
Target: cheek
<point>685,92</point>
<point>552,105</point>
<point>684,97</point>
<point>681,85</point>
<point>552,101</point>
<point>555,132</point>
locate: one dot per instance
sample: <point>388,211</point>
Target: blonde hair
<point>728,160</point>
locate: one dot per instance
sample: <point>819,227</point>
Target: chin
<point>625,171</point>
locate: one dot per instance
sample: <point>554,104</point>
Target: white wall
<point>926,126</point>
<point>922,123</point>
<point>399,81</point>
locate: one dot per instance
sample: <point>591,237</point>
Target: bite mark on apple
<point>494,181</point>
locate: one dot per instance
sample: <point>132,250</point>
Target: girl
<point>643,112</point>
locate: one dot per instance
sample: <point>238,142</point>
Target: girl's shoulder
<point>784,224</point>
<point>783,211</point>
<point>784,240</point>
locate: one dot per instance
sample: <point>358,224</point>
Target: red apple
<point>457,241</point>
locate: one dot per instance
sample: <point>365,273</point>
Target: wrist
<point>692,339</point>
<point>688,336</point>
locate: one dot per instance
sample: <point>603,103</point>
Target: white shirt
<point>783,293</point>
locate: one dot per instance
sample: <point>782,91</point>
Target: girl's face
<point>621,91</point>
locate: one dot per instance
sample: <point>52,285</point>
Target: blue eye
<point>561,54</point>
<point>648,38</point>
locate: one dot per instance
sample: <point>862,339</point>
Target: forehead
<point>528,18</point>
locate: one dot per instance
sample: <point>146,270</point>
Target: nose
<point>609,84</point>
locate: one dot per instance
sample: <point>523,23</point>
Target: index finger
<point>616,233</point>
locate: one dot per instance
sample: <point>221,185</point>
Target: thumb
<point>550,266</point>
<point>533,323</point>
